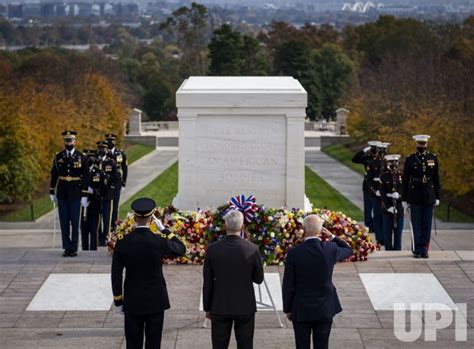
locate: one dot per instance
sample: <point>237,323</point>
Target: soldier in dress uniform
<point>374,170</point>
<point>420,193</point>
<point>120,158</point>
<point>69,188</point>
<point>110,181</point>
<point>390,190</point>
<point>364,157</point>
<point>144,297</point>
<point>90,215</point>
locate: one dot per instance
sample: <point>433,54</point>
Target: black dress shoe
<point>66,253</point>
<point>416,255</point>
<point>102,243</point>
<point>73,254</point>
<point>425,256</point>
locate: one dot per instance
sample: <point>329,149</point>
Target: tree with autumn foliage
<point>41,94</point>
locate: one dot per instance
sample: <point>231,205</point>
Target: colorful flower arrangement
<point>273,230</point>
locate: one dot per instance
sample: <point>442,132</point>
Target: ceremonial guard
<point>110,180</point>
<point>120,158</point>
<point>421,189</point>
<point>364,157</point>
<point>390,190</point>
<point>144,297</point>
<point>374,169</point>
<point>90,215</point>
<point>69,188</point>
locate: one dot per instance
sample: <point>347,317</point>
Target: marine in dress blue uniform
<point>110,180</point>
<point>374,171</point>
<point>421,191</point>
<point>393,215</point>
<point>364,157</point>
<point>120,158</point>
<point>68,187</point>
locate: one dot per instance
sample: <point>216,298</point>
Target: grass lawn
<point>455,215</point>
<point>42,204</point>
<point>344,155</point>
<point>136,151</point>
<point>322,195</point>
<point>162,189</point>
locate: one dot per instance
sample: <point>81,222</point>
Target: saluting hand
<point>327,233</point>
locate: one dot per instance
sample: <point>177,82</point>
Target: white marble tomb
<point>241,135</point>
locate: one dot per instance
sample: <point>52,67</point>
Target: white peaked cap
<point>392,157</point>
<point>421,138</point>
<point>384,145</point>
<point>375,143</point>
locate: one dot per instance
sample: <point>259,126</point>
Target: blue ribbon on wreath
<point>245,205</point>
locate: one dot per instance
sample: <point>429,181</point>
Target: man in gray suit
<point>231,267</point>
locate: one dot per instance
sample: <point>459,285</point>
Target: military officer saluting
<point>109,181</point>
<point>390,190</point>
<point>421,191</point>
<point>120,158</point>
<point>364,157</point>
<point>144,297</point>
<point>69,188</point>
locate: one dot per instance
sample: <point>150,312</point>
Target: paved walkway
<point>349,183</point>
<point>140,173</point>
<point>360,325</point>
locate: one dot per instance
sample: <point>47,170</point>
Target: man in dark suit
<point>144,297</point>
<point>231,267</point>
<point>309,296</point>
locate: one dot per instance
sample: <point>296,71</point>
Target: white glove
<point>53,198</point>
<point>119,310</point>
<point>90,190</point>
<point>405,205</point>
<point>122,189</point>
<point>159,225</point>
<point>366,149</point>
<point>392,210</point>
<point>437,202</point>
<point>377,193</point>
<point>84,202</point>
<point>395,196</point>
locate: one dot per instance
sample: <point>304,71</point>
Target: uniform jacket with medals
<point>122,166</point>
<point>109,177</point>
<point>391,182</point>
<point>421,179</point>
<point>374,171</point>
<point>69,176</point>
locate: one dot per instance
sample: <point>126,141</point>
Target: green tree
<point>335,73</point>
<point>189,27</point>
<point>293,58</point>
<point>254,61</point>
<point>158,99</point>
<point>225,52</point>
